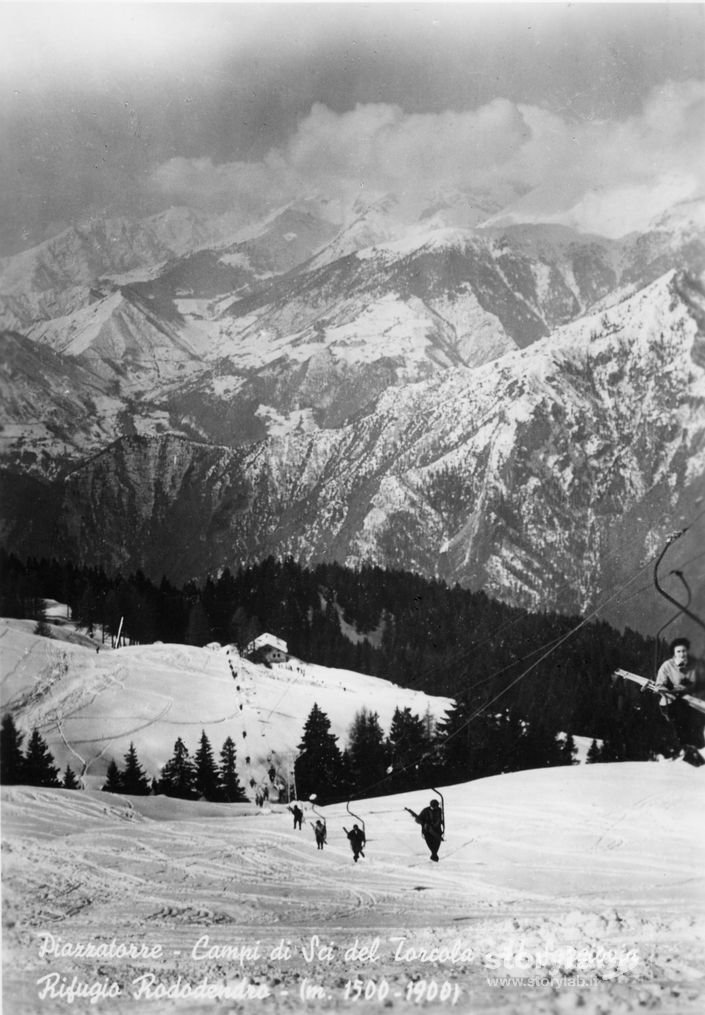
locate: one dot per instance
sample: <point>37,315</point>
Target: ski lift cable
<point>515,662</point>
<point>551,646</point>
<point>478,712</point>
<point>471,651</point>
<point>569,634</point>
<point>366,790</point>
<point>371,787</point>
<point>467,653</point>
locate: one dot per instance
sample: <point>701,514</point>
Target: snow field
<point>588,878</point>
<point>557,889</point>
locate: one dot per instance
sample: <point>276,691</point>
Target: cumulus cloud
<point>603,176</point>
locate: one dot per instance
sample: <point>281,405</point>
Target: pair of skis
<point>651,685</point>
<point>691,754</point>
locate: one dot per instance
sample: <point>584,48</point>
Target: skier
<point>432,826</point>
<point>676,676</point>
<point>357,841</point>
<point>298,815</point>
<point>319,830</point>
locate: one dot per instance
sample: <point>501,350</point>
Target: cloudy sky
<point>594,112</point>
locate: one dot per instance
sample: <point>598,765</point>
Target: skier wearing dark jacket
<point>357,841</point>
<point>432,826</point>
<point>320,831</point>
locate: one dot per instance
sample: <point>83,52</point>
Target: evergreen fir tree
<point>11,759</point>
<point>408,746</point>
<point>346,782</point>
<point>454,742</point>
<point>594,753</point>
<point>206,777</point>
<point>474,746</point>
<point>134,779</point>
<point>612,749</point>
<point>70,780</point>
<point>568,750</point>
<point>229,788</point>
<point>366,751</point>
<point>318,767</point>
<point>39,767</point>
<point>113,779</point>
<point>178,776</point>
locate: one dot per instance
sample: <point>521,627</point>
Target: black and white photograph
<point>352,508</point>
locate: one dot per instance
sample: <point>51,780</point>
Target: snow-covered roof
<point>270,640</point>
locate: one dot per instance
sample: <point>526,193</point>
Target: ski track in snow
<point>604,855</point>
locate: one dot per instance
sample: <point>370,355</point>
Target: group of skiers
<point>356,835</point>
<point>431,820</point>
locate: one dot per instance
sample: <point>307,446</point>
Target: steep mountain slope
<point>55,279</point>
<point>77,698</point>
<point>547,477</point>
<point>52,407</point>
<point>445,268</point>
<point>122,337</point>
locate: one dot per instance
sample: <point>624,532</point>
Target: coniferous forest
<point>517,678</point>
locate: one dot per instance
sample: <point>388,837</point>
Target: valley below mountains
<point>519,410</point>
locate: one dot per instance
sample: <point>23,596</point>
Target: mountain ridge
<point>483,405</point>
<point>521,477</point>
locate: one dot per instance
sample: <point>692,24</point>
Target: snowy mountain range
<point>518,408</point>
